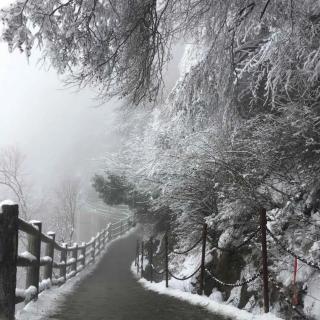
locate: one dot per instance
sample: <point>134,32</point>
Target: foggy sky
<point>58,129</point>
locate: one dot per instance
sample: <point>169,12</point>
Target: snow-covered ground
<point>213,306</point>
<point>49,299</point>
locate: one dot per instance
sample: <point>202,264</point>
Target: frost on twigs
<point>96,42</point>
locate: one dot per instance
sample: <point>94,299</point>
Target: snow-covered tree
<point>264,49</point>
<point>12,177</point>
<point>66,208</point>
<point>240,129</point>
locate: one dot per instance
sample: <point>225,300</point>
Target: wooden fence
<point>66,260</point>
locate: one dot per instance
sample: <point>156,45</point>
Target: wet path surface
<point>112,293</point>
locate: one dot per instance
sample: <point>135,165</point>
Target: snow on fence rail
<point>262,231</point>
<point>70,261</point>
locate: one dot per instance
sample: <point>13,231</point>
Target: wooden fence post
<point>203,257</point>
<point>83,253</point>
<point>265,275</point>
<point>151,259</point>
<point>99,243</point>
<point>121,227</point>
<point>93,256</point>
<point>142,250</point>
<point>75,256</point>
<point>104,238</point>
<point>137,257</point>
<point>8,260</point>
<point>50,253</point>
<point>167,259</point>
<point>34,247</point>
<point>63,259</point>
<point>110,232</point>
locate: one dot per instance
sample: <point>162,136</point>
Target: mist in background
<point>63,132</point>
<point>59,129</point>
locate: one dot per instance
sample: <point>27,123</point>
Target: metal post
<point>167,259</point>
<point>8,260</point>
<point>142,250</point>
<point>203,257</point>
<point>263,225</point>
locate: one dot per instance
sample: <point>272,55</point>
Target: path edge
<point>49,299</point>
<point>212,306</point>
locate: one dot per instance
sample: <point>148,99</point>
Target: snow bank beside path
<point>49,299</point>
<point>224,310</point>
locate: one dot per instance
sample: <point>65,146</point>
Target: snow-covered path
<point>112,293</point>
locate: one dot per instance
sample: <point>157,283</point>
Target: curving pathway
<point>112,293</point>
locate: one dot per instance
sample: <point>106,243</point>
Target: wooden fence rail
<point>70,260</point>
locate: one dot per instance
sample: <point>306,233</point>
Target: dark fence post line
<point>75,257</point>
<point>99,243</point>
<point>96,245</point>
<point>142,250</point>
<point>50,253</point>
<point>63,259</point>
<point>104,238</point>
<point>166,258</point>
<point>8,260</point>
<point>138,256</point>
<point>110,232</point>
<point>265,275</point>
<point>34,247</point>
<point>93,255</point>
<point>136,261</point>
<point>203,257</point>
<point>151,259</point>
<point>83,253</point>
